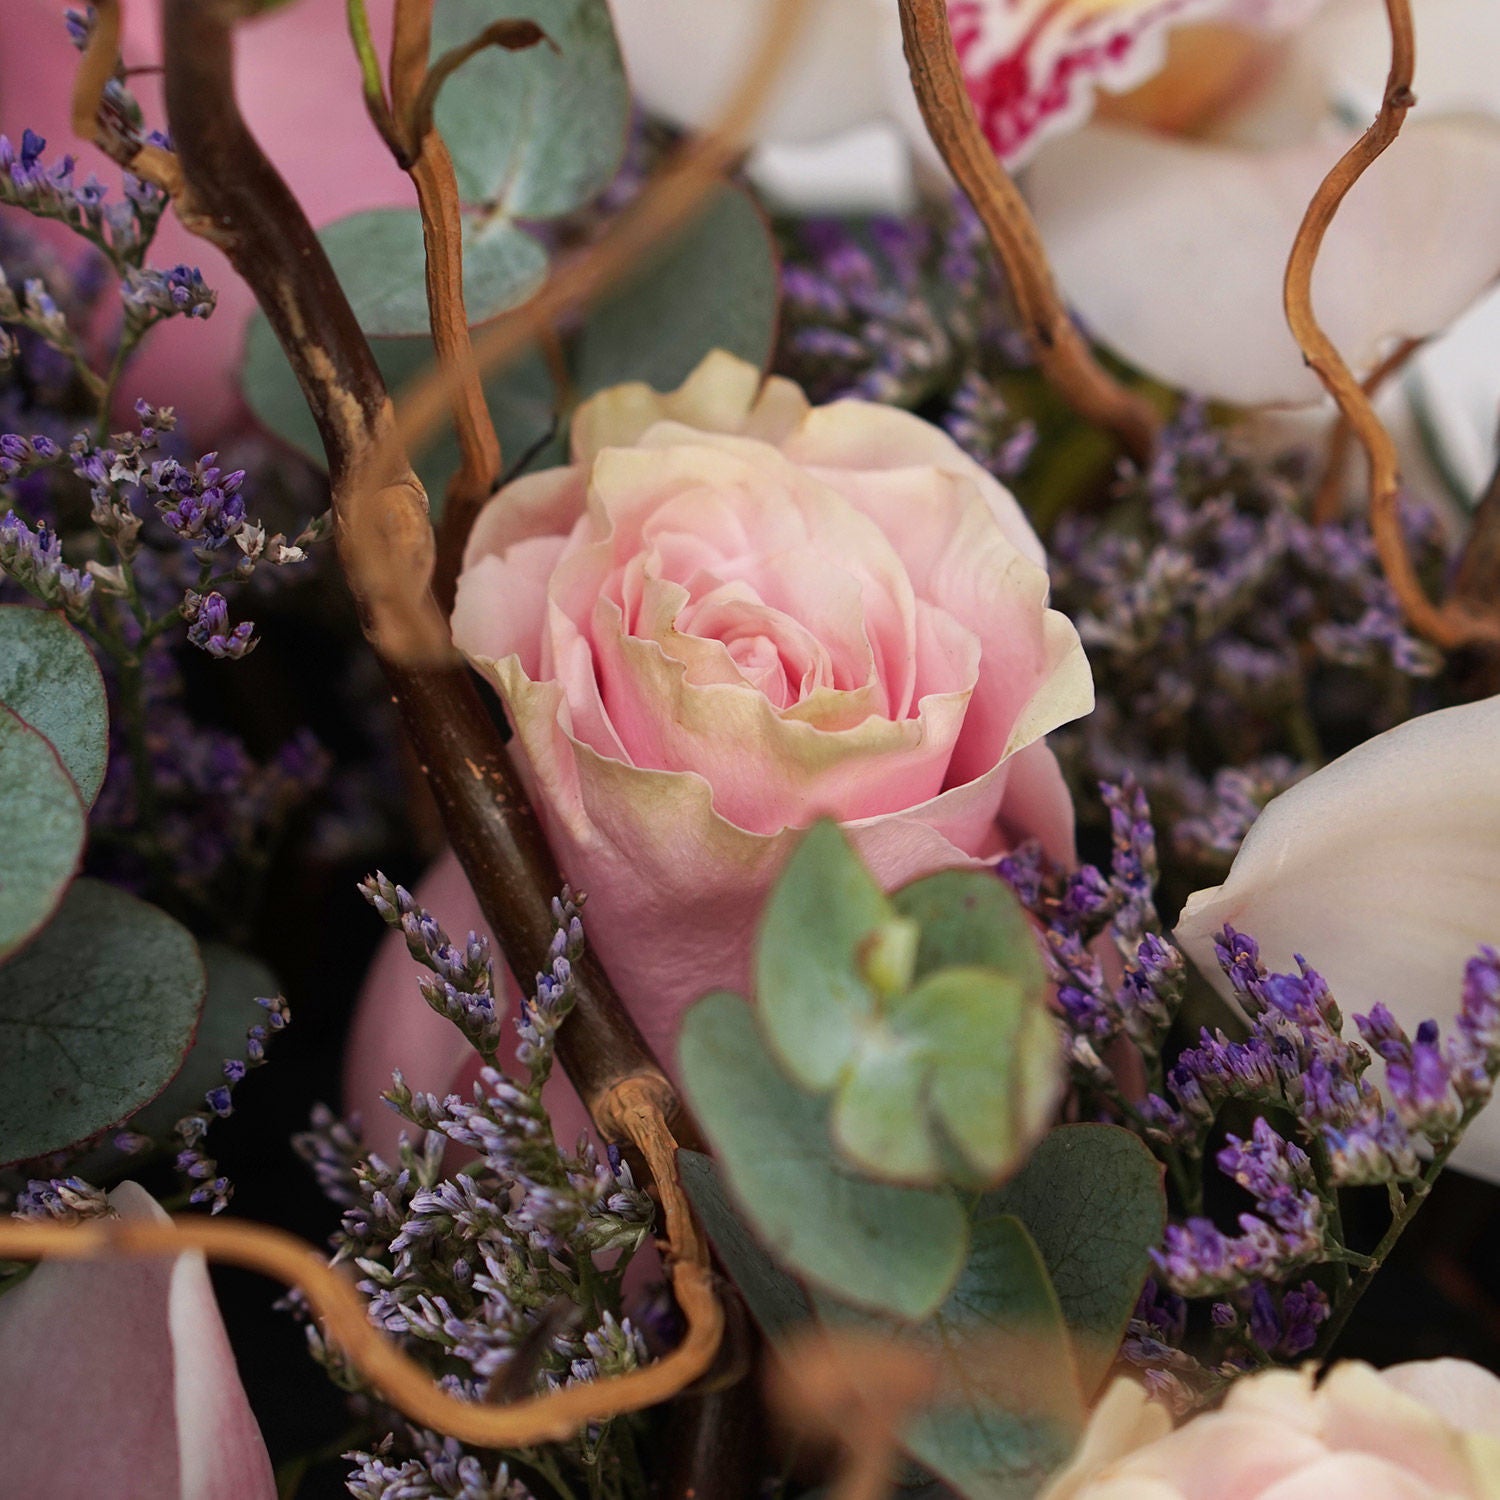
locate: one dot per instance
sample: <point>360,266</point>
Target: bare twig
<point>1328,502</point>
<point>397,1377</point>
<point>431,170</point>
<point>668,203</point>
<point>1455,623</point>
<point>1064,356</point>
<point>512,35</point>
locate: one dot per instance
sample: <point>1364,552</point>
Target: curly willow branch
<point>398,1378</point>
<point>667,204</point>
<point>1064,356</point>
<point>1454,623</point>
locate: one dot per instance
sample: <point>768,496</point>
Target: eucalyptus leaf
<point>812,994</point>
<point>714,286</point>
<point>536,133</point>
<point>381,262</point>
<point>521,401</point>
<point>42,827</point>
<point>958,1078</point>
<point>775,1300</point>
<point>96,1016</point>
<point>1008,1409</point>
<point>877,1245</point>
<point>968,917</point>
<point>1093,1200</point>
<point>49,678</point>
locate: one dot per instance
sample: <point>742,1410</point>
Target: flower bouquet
<point>843,655</point>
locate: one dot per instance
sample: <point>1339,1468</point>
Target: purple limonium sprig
<point>33,558</point>
<point>1319,1119</point>
<point>1231,638</point>
<point>489,1274</point>
<point>200,1173</point>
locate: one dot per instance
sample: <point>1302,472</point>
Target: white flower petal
<point>684,57</point>
<point>1383,871</point>
<point>1173,251</point>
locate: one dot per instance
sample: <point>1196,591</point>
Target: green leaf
<point>1010,1412</point>
<point>967,1060</point>
<point>877,1245</point>
<point>521,401</point>
<point>811,993</point>
<point>712,287</point>
<point>95,1018</point>
<point>42,826</point>
<point>1093,1199</point>
<point>234,979</point>
<point>381,263</point>
<point>969,918</point>
<point>537,133</point>
<point>49,678</point>
<point>775,1300</point>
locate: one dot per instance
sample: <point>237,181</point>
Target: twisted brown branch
<point>398,1378</point>
<point>1454,623</point>
<point>1064,356</point>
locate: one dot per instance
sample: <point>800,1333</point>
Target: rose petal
<point>1383,870</point>
<point>723,394</point>
<point>1349,1476</point>
<point>1173,251</point>
<point>115,1371</point>
<point>1464,1394</point>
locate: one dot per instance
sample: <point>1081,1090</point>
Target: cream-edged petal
<point>1461,1392</point>
<point>684,57</point>
<point>1383,871</point>
<point>1173,251</point>
<point>118,1373</point>
<point>1124,1419</point>
<point>548,503</point>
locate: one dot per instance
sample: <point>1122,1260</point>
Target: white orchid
<point>1383,871</point>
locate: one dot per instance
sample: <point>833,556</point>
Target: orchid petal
<point>1173,251</point>
<point>1383,870</point>
<point>116,1375</point>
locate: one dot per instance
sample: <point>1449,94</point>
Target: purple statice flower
<point>61,1200</point>
<point>440,1470</point>
<point>1231,638</point>
<point>20,456</point>
<point>489,1275</point>
<point>33,558</point>
<point>209,628</point>
<point>151,295</point>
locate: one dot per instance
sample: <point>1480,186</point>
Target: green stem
<point>1415,1199</point>
<point>1323,1168</point>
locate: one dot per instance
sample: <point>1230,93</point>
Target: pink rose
<point>1423,1431</point>
<point>733,614</point>
<point>116,1378</point>
<point>299,87</point>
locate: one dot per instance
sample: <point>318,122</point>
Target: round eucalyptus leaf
<point>49,678</point>
<point>96,1016</point>
<point>1092,1198</point>
<point>971,918</point>
<point>538,132</point>
<point>879,1246</point>
<point>381,262</point>
<point>714,286</point>
<point>812,995</point>
<point>42,827</point>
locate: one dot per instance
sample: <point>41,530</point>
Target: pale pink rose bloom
<point>300,90</point>
<point>116,1378</point>
<point>1383,871</point>
<point>732,614</point>
<point>1422,1431</point>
